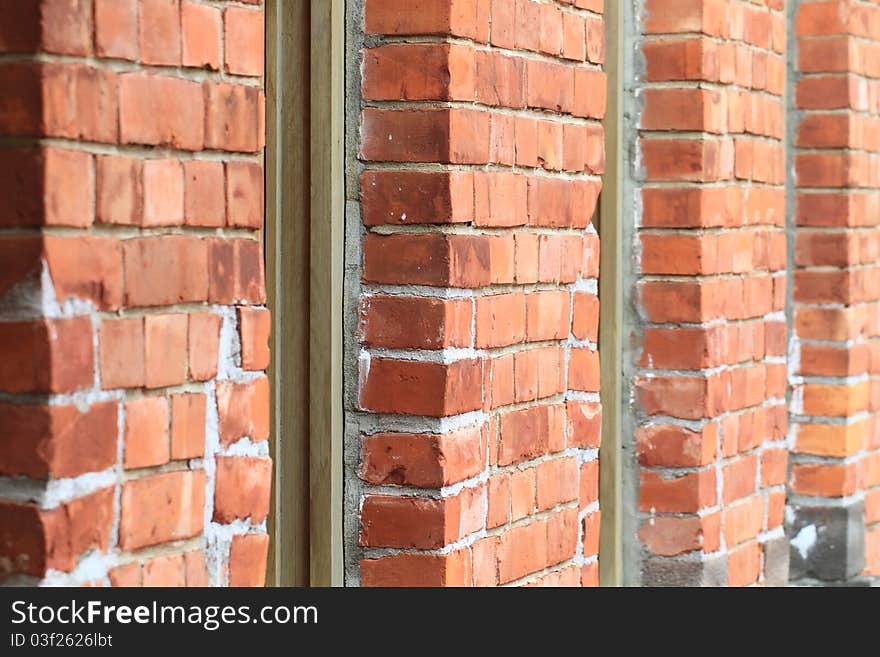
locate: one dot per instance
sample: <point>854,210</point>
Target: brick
<point>162,111</point>
<point>165,352</point>
<point>164,571</point>
<point>50,355</point>
<point>126,575</point>
<point>85,268</point>
<point>243,410</point>
<point>188,416</point>
<point>255,325</point>
<point>196,569</point>
<point>160,32</point>
<point>459,136</point>
<point>116,29</point>
<point>411,570</point>
<point>21,258</point>
<point>419,72</point>
<point>415,322</point>
<point>162,507</point>
<point>244,194</point>
<point>204,204</point>
<point>242,489</point>
<point>422,388</point>
<point>164,270</point>
<point>527,433</point>
<point>557,482</point>
<point>119,190</point>
<point>420,460</point>
<point>500,320</point>
<point>121,353</point>
<point>69,188</point>
<point>200,30</point>
<point>146,433</point>
<point>416,197</point>
<point>57,441</point>
<point>685,494</point>
<point>163,193</point>
<point>247,560</point>
<point>234,117</point>
<point>203,340</point>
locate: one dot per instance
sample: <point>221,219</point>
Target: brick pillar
<point>133,336</point>
<point>474,416</point>
<point>834,484</point>
<point>710,375</point>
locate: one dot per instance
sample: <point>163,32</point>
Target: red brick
<point>203,339</point>
<point>421,388</point>
<point>121,353</point>
<point>162,507</point>
<point>410,570</point>
<point>126,575</point>
<point>116,29</point>
<point>247,560</point>
<point>69,188</point>
<point>684,494</point>
<point>120,192</point>
<point>421,460</point>
<point>528,433</point>
<point>244,194</point>
<point>164,270</point>
<point>51,355</point>
<point>243,41</point>
<point>163,193</point>
<point>243,410</point>
<point>242,489</point>
<point>416,197</point>
<point>234,117</point>
<point>557,482</point>
<point>21,257</point>
<point>203,200</point>
<point>57,441</point>
<point>162,111</point>
<point>196,568</point>
<point>160,32</point>
<point>85,268</point>
<point>200,29</point>
<point>255,325</point>
<point>165,338</point>
<point>188,416</point>
<point>146,432</point>
<point>415,322</point>
<point>164,571</point>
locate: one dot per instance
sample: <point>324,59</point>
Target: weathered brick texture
<point>710,390</point>
<point>834,482</point>
<point>133,337</point>
<point>477,409</point>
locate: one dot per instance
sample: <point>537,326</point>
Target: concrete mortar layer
<point>354,235</point>
<point>633,323</point>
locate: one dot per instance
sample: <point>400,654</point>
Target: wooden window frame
<point>304,237</point>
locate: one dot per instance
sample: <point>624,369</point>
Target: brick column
<point>709,329</point>
<point>834,484</point>
<point>474,415</point>
<point>133,336</point>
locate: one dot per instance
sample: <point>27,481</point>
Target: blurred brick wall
<point>834,485</point>
<point>710,394</point>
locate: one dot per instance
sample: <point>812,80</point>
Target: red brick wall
<point>711,384</point>
<point>133,336</point>
<point>835,476</point>
<point>477,405</point>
